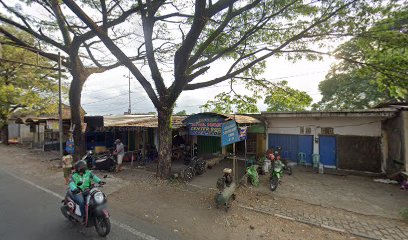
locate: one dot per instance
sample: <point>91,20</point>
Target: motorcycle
<point>276,174</point>
<point>196,167</point>
<point>103,162</point>
<point>96,212</point>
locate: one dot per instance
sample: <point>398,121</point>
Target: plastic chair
<point>250,161</point>
<point>316,161</point>
<point>301,158</point>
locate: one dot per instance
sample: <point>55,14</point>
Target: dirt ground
<point>186,210</point>
<point>351,193</point>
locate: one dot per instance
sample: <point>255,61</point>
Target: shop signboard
<point>205,126</point>
<point>229,133</point>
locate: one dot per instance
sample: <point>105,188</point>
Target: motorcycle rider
<point>80,181</point>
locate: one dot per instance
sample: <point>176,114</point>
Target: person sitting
<point>80,181</point>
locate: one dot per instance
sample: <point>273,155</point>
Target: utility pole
<point>60,104</point>
<point>130,104</point>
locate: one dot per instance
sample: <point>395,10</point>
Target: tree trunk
<point>164,164</point>
<point>76,118</point>
<point>4,134</point>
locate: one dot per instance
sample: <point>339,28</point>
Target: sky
<point>107,93</point>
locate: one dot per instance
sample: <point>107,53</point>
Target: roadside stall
<point>205,131</point>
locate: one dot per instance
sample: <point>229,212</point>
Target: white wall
<point>13,130</point>
<point>341,126</point>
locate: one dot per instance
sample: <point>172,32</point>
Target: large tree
<point>28,83</point>
<point>278,97</point>
<point>56,30</point>
<point>373,67</point>
<point>239,35</point>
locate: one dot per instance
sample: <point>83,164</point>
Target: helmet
<point>117,141</point>
<point>80,166</point>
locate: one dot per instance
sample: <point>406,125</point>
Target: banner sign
<point>229,133</point>
<point>204,126</point>
<point>205,129</point>
<point>243,133</point>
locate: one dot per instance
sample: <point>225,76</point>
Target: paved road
<point>27,212</point>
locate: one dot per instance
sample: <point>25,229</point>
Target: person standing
<point>67,166</point>
<point>120,153</point>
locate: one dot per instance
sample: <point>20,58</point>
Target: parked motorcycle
<point>276,174</point>
<point>96,212</point>
<point>106,162</point>
<point>196,167</point>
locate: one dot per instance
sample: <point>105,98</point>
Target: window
<point>302,130</point>
<point>308,130</point>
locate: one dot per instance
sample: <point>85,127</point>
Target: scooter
<point>106,162</point>
<point>276,174</point>
<point>96,211</point>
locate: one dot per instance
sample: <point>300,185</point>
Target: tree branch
<point>272,52</point>
<point>61,22</point>
<point>114,49</point>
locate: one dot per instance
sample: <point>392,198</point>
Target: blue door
<point>291,145</point>
<point>306,146</point>
<point>327,150</point>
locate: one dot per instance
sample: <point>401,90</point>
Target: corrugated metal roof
<point>148,121</point>
<point>378,112</point>
<point>243,119</point>
<point>124,120</point>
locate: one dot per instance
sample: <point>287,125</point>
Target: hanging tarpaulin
<point>230,133</point>
<point>70,146</point>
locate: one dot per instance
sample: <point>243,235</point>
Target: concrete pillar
<point>404,142</point>
<point>384,150</point>
<point>316,131</point>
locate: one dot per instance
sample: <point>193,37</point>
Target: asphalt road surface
<point>27,212</point>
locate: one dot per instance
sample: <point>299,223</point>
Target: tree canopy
<point>181,113</point>
<point>24,88</point>
<point>277,96</point>
<point>373,67</point>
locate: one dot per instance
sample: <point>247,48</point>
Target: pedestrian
<point>119,152</point>
<point>67,166</point>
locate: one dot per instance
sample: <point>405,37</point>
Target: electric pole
<point>60,104</point>
<point>130,104</point>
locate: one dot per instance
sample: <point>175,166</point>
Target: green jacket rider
<point>81,180</point>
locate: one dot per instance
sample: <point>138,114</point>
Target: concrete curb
<point>340,230</point>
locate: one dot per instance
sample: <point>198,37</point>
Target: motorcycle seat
<point>100,160</point>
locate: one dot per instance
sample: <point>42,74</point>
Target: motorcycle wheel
<point>200,167</point>
<point>112,168</point>
<point>102,226</point>
<point>273,184</point>
<point>188,174</point>
<point>289,170</point>
<point>64,211</point>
